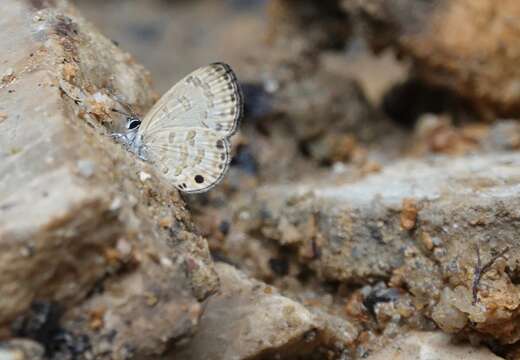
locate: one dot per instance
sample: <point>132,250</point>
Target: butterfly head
<point>132,123</point>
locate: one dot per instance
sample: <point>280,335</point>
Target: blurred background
<point>172,37</point>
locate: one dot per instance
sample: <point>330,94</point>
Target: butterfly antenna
<point>124,104</point>
<point>120,112</point>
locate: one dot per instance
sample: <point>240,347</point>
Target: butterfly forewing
<point>186,133</point>
<point>209,97</point>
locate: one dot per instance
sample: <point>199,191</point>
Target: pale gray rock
<point>431,346</point>
<point>21,350</point>
<point>78,228</point>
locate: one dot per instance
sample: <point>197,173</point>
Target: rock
<point>431,346</point>
<point>78,227</point>
<point>21,350</point>
<point>353,232</point>
<point>248,319</point>
<point>450,44</point>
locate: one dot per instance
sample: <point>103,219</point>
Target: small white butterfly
<point>186,133</point>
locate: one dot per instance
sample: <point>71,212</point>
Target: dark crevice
<point>407,101</point>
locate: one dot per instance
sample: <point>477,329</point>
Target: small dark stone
<point>380,295</point>
<point>39,323</point>
<point>65,27</point>
<point>42,324</point>
<point>257,101</point>
<point>280,266</point>
<point>224,227</point>
<point>245,160</point>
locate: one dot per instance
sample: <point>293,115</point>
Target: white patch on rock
<point>143,176</point>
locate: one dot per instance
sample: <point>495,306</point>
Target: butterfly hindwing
<point>195,159</point>
<point>209,97</point>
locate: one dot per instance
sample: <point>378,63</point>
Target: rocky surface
<point>248,319</point>
<point>463,45</point>
<point>431,346</point>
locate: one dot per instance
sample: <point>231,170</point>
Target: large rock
<point>470,47</point>
<point>84,224</point>
<point>416,224</point>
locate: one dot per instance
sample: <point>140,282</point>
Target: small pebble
<point>123,247</point>
<point>116,204</point>
<point>166,262</point>
<point>86,168</point>
<point>143,176</point>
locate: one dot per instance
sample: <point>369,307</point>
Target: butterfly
<point>186,133</point>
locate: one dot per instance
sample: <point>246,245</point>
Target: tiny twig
<point>477,273</point>
<point>481,270</point>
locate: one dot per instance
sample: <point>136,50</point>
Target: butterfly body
<point>186,134</point>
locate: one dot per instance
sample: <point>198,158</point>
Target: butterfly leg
<point>120,138</point>
<point>140,151</point>
<point>123,139</point>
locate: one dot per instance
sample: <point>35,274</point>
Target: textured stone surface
<point>79,226</point>
<point>415,224</point>
<point>248,319</point>
<point>431,346</point>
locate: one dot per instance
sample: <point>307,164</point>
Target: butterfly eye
<point>133,124</point>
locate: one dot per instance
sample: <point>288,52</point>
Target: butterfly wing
<point>186,133</point>
<point>209,97</point>
<point>194,159</point>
